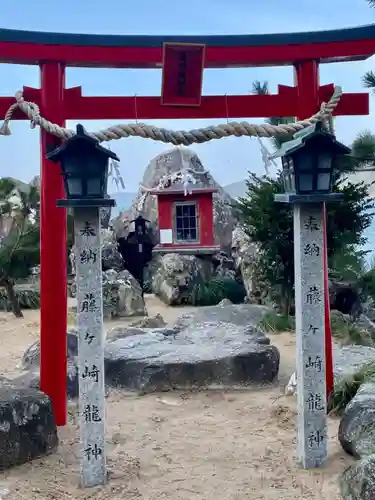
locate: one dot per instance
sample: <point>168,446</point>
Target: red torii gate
<point>53,52</point>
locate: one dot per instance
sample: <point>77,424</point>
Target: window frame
<point>184,203</point>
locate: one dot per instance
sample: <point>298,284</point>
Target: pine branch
<point>368,78</point>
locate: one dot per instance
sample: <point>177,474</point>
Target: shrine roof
<point>180,189</point>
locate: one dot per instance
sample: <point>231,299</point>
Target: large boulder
<point>199,354</point>
<point>28,428</point>
<point>31,379</point>
<point>357,425</point>
<point>167,169</point>
<point>175,275</point>
<point>122,295</point>
<point>31,357</point>
<point>358,481</point>
<point>345,297</point>
<point>111,257</point>
<point>30,364</point>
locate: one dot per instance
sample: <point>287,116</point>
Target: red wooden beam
<point>133,108</point>
<point>150,108</point>
<point>216,56</point>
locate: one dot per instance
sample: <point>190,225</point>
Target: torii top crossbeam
<point>223,51</point>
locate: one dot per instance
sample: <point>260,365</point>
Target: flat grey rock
<point>236,314</point>
<point>349,359</point>
<point>357,426</point>
<point>27,426</point>
<point>203,354</point>
<point>358,481</point>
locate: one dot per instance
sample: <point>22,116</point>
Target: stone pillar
<point>90,346</point>
<point>309,297</point>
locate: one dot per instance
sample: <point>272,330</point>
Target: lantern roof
<point>79,139</point>
<point>302,138</point>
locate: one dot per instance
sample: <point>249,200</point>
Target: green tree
<point>270,224</point>
<point>20,242</point>
<point>262,88</point>
<point>368,78</point>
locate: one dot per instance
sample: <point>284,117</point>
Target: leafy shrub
<point>345,390</point>
<point>211,292</point>
<point>273,322</point>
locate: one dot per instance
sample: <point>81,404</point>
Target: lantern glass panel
<point>306,182</point>
<point>74,187</point>
<point>94,187</point>
<point>288,177</point>
<point>325,161</point>
<point>324,181</point>
<point>304,162</point>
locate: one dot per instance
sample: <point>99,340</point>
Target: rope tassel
<point>4,129</point>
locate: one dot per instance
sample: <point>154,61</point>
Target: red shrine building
<point>186,220</point>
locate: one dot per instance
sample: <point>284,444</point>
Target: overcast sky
<point>228,159</point>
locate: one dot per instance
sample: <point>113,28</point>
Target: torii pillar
<point>53,251</point>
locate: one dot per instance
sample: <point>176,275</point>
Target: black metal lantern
<point>140,227</point>
<point>84,166</point>
<point>308,161</point>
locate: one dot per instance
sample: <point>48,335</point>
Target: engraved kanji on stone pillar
<point>90,346</point>
<point>309,296</point>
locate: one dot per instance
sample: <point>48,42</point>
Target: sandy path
<point>231,445</point>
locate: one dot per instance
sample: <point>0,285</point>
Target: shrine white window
<point>186,226</point>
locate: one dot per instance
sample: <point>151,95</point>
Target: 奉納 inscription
<point>88,229</point>
<point>311,249</point>
<point>312,224</point>
<point>88,256</point>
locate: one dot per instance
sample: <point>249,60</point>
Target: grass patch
<point>273,322</point>
<point>347,388</point>
<point>213,291</point>
<point>346,332</point>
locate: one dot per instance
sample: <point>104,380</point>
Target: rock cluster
<point>219,345</point>
<point>27,425</point>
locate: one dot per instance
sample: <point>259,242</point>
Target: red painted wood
<point>53,250</point>
<point>206,220</point>
<point>77,107</point>
<point>182,76</point>
<point>165,210</point>
<point>216,57</point>
<point>205,213</point>
<point>307,78</point>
